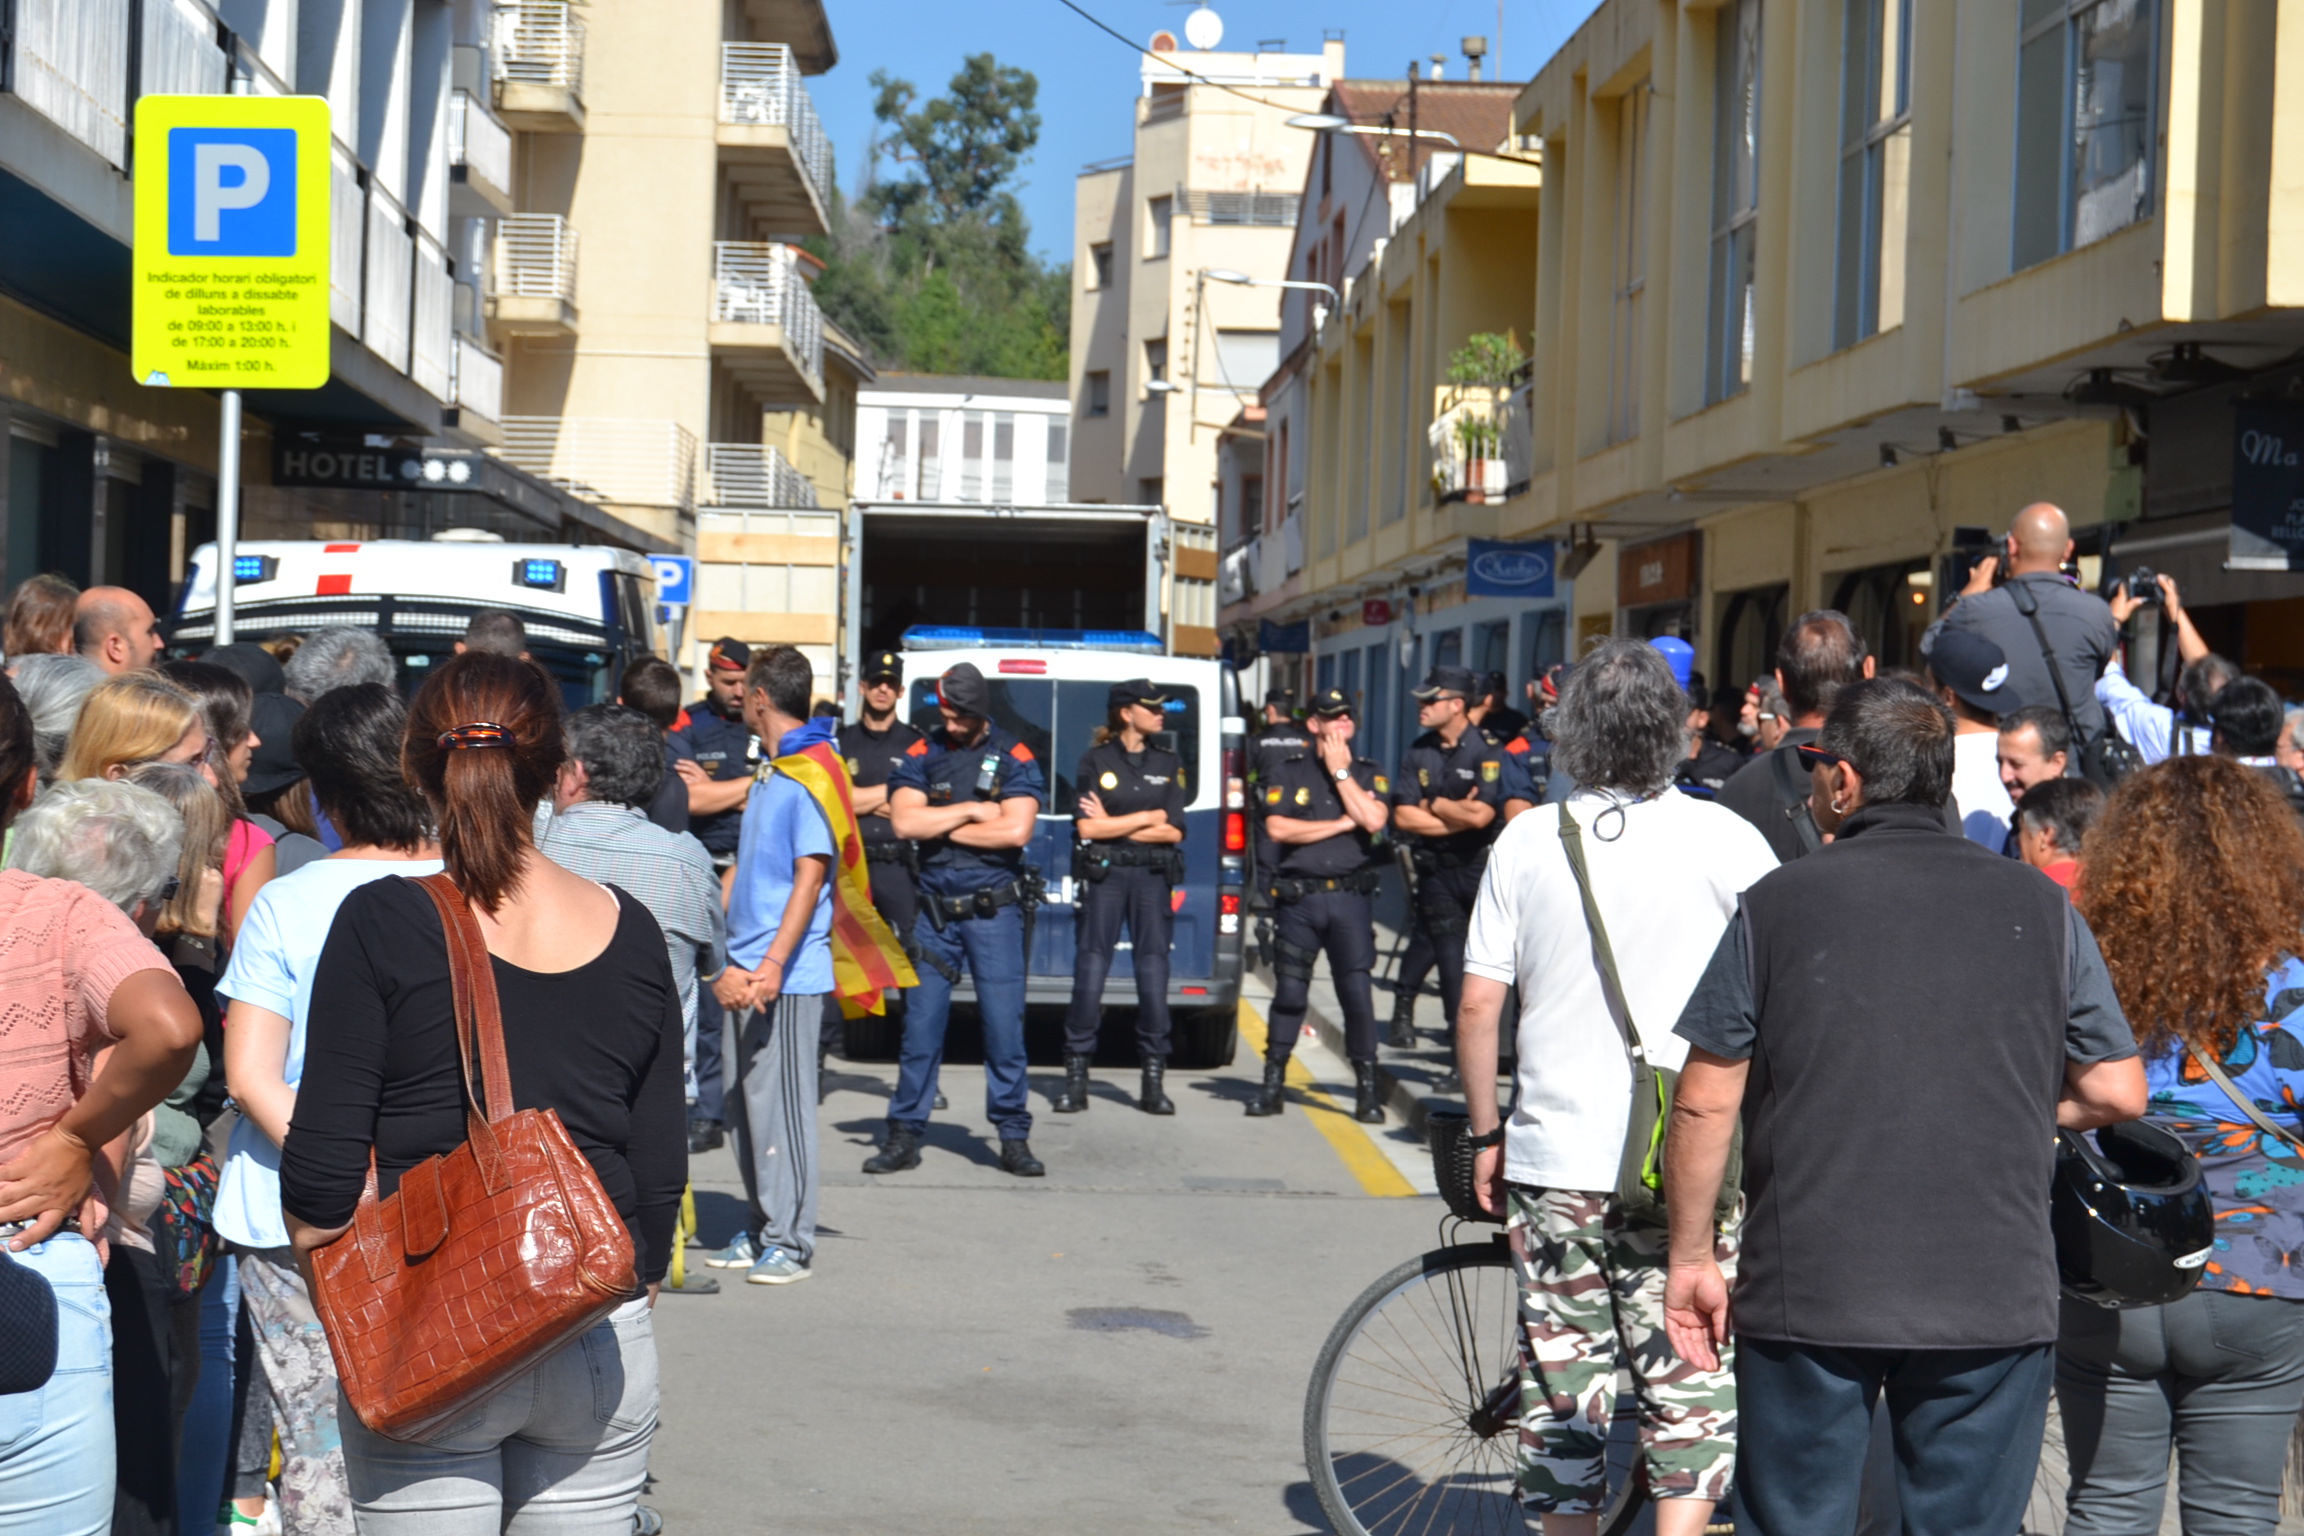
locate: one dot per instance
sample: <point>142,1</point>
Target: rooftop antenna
<point>1203,29</point>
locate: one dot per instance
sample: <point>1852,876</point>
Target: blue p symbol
<point>232,192</point>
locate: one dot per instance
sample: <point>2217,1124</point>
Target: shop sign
<point>1493,568</point>
<point>356,466</point>
<point>1375,613</point>
<point>1662,572</point>
<point>1284,639</point>
<point>2267,488</point>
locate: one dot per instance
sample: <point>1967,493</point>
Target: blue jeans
<point>56,1446</point>
<point>207,1433</point>
<point>992,949</point>
<point>710,1056</point>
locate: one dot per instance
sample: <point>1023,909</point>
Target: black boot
<point>1269,1098</point>
<point>1016,1158</point>
<point>1074,1099</point>
<point>1153,1100</point>
<point>1403,1033</point>
<point>901,1152</point>
<point>1367,1100</point>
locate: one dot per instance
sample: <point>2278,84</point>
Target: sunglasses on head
<point>1817,757</point>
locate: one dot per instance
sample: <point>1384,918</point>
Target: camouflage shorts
<point>1592,1301</point>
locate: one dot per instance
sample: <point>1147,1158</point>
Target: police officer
<point>715,754</point>
<point>1280,739</point>
<point>1324,810</point>
<point>1451,796</point>
<point>873,746</point>
<point>968,794</point>
<point>1125,862</point>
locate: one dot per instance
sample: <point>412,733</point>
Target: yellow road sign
<point>231,250</point>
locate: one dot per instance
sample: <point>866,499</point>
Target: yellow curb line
<point>1358,1152</point>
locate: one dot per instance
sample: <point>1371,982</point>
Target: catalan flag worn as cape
<point>866,958</point>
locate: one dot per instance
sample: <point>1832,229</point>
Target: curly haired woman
<point>2194,885</point>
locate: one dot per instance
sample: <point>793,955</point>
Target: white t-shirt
<point>1667,884</point>
<point>1977,791</point>
<point>272,968</point>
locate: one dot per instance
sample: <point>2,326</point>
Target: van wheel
<point>871,1037</point>
<point>1206,1039</point>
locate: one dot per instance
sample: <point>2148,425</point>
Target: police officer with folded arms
<point>968,793</point>
<point>1324,811</point>
<point>1280,738</point>
<point>715,754</point>
<point>1125,862</point>
<point>1451,797</point>
<point>873,745</point>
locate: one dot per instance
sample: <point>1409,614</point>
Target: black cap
<point>1439,680</point>
<point>731,655</point>
<point>1137,690</point>
<point>883,664</point>
<point>1329,703</point>
<point>1974,668</point>
<point>273,765</point>
<point>1279,698</point>
<point>253,664</point>
<point>963,688</point>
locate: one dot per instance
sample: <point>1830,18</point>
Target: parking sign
<point>675,576</point>
<point>231,247</point>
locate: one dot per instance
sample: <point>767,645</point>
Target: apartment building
<point>1175,307</point>
<point>947,438</point>
<point>1816,287</point>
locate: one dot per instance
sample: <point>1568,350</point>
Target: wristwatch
<point>1494,1138</point>
<point>1341,774</point>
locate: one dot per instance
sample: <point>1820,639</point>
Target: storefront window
<point>1888,604</point>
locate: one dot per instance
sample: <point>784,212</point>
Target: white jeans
<point>562,1451</point>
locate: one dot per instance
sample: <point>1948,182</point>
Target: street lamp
<point>1329,122</point>
<point>1243,280</point>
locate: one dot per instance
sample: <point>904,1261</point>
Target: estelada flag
<point>866,958</point>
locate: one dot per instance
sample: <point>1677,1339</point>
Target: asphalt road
<point>1122,1345</point>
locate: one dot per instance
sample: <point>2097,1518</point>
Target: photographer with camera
<point>2152,728</point>
<point>2056,637</point>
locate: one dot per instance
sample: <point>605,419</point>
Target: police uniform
<point>1322,894</point>
<point>1275,743</point>
<point>726,749</point>
<point>1708,772</point>
<point>1448,868</point>
<point>973,904</point>
<point>1123,883</point>
<point>872,757</point>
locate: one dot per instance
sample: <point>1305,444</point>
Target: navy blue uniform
<point>977,893</point>
<point>1125,884</point>
<point>1322,891</point>
<point>725,749</point>
<point>873,757</point>
<point>1448,869</point>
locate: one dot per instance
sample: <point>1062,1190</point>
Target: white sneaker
<point>741,1253</point>
<point>776,1267</point>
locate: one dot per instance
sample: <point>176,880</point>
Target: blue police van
<point>1048,690</point>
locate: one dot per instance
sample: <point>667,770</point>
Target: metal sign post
<point>227,513</point>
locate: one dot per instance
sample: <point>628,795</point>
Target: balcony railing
<point>607,459</point>
<point>477,140</point>
<point>478,383</point>
<point>536,256</point>
<point>760,85</point>
<point>756,284</point>
<point>540,42</point>
<point>180,56</point>
<point>72,67</point>
<point>431,340</point>
<point>745,476</point>
<point>347,217</point>
<point>389,291</point>
<point>1482,449</point>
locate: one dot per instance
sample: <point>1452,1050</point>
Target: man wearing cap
<point>715,753</point>
<point>1451,796</point>
<point>1281,738</point>
<point>1494,714</point>
<point>1971,676</point>
<point>968,794</point>
<point>874,745</point>
<point>1127,825</point>
<point>1322,811</point>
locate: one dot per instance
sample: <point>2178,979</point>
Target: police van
<point>590,609</point>
<point>1048,690</point>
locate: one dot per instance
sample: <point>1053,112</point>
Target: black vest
<point>1912,993</point>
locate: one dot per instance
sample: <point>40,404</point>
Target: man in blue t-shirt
<point>968,794</point>
<point>779,970</point>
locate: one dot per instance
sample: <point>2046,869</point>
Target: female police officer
<point>1127,825</point>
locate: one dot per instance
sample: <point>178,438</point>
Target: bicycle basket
<point>1452,1166</point>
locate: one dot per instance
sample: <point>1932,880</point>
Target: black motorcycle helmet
<point>2133,1225</point>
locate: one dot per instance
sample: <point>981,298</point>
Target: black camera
<point>2141,584</point>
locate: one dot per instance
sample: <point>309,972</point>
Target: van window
<point>1023,707</point>
<point>1058,720</point>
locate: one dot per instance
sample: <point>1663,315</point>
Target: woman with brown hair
<point>39,621</point>
<point>2193,883</point>
<point>592,1030</point>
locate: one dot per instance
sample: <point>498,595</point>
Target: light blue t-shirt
<point>782,822</point>
<point>272,967</point>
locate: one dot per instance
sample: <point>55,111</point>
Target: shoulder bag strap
<point>479,1023</point>
<point>2247,1106</point>
<point>1572,841</point>
<point>2029,606</point>
<point>1794,802</point>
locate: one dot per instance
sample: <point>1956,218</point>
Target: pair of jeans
<point>562,1450</point>
<point>710,1056</point>
<point>2218,1375</point>
<point>992,950</point>
<point>56,1443</point>
<point>204,1449</point>
<point>1967,1425</point>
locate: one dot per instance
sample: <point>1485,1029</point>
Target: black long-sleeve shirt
<point>601,1044</point>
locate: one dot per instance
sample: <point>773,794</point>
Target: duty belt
<point>1288,888</point>
<point>1428,858</point>
<point>896,852</point>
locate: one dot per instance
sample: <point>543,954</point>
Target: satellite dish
<point>1203,29</point>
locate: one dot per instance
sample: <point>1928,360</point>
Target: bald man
<point>115,629</point>
<point>2077,626</point>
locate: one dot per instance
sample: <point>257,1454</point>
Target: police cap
<point>879,664</point>
<point>731,655</point>
<point>1137,690</point>
<point>1331,703</point>
<point>1445,680</point>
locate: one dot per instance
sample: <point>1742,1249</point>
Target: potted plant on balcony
<point>1476,436</point>
<point>1486,362</point>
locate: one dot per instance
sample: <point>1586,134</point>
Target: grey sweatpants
<point>773,1114</point>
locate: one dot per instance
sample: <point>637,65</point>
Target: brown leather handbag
<point>487,1258</point>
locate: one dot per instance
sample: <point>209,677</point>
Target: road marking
<point>1353,1145</point>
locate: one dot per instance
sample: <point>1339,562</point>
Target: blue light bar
<point>540,575</point>
<point>960,637</point>
<point>254,568</point>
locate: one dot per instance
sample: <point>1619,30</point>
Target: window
<point>931,458</point>
<point>1245,359</point>
<point>1100,264</point>
<point>1156,360</point>
<point>1156,215</point>
<point>1735,198</point>
<point>1003,455</point>
<point>971,455</point>
<point>1099,394</point>
<point>1251,503</point>
<point>1875,169</point>
<point>1631,264</point>
<point>1378,704</point>
<point>2085,99</point>
<point>1492,646</point>
<point>1348,675</point>
<point>1151,491</point>
<point>894,460</point>
<point>1448,649</point>
<point>1060,456</point>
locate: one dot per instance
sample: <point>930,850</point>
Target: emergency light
<point>954,637</point>
<point>540,575</point>
<point>254,568</point>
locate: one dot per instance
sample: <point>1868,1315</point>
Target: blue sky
<point>1087,78</point>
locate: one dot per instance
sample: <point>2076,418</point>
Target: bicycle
<point>1411,1420</point>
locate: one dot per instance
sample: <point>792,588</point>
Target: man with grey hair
<point>1627,866</point>
<point>120,840</point>
<point>335,658</point>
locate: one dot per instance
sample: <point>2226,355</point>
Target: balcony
<point>612,461</point>
<point>751,477</point>
<point>389,288</point>
<point>539,53</point>
<point>479,160</point>
<point>476,389</point>
<point>776,152</point>
<point>1482,449</point>
<point>535,276</point>
<point>71,66</point>
<point>765,327</point>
